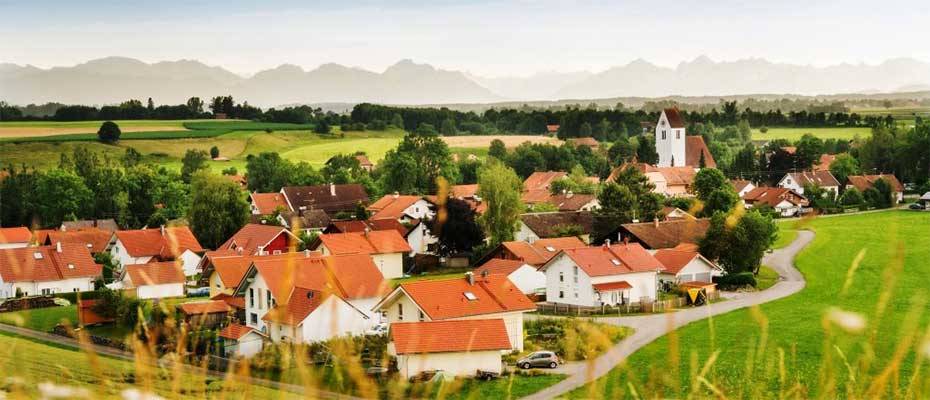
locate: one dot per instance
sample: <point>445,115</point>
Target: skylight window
<point>37,255</point>
<point>471,296</point>
<point>550,248</point>
<point>615,261</point>
<point>70,266</point>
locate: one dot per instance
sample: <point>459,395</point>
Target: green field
<point>905,115</point>
<point>782,349</point>
<point>793,134</point>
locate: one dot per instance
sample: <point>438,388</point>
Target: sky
<point>488,38</point>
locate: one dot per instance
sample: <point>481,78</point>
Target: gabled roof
<point>608,286</point>
<point>499,266</point>
<point>392,206</point>
<point>819,178</point>
<point>449,298</point>
<point>160,273</point>
<point>267,203</point>
<point>665,234</point>
<point>864,182</point>
<point>673,176</point>
<point>584,141</point>
<point>449,336</point>
<point>540,180</point>
<point>773,196</point>
<point>824,163</point>
<point>694,146</point>
<point>373,242</point>
<point>675,260</point>
<point>674,118</point>
<point>19,234</point>
<point>299,305</point>
<point>352,276</point>
<point>96,240</point>
<point>231,268</point>
<point>108,225</point>
<point>308,219</point>
<point>464,191</point>
<point>542,250</point>
<point>236,331</point>
<point>165,243</point>
<point>571,201</point>
<point>204,307</point>
<point>329,198</point>
<point>354,225</point>
<point>232,301</point>
<point>251,237</point>
<point>545,224</point>
<point>613,260</point>
<point>740,184</point>
<point>363,161</point>
<point>46,263</point>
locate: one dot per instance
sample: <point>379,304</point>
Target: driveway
<point>651,327</point>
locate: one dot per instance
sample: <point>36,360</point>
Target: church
<point>675,147</point>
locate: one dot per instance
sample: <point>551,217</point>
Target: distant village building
<point>141,246</point>
<point>11,238</point>
<point>864,182</point>
<point>797,180</point>
<point>44,270</point>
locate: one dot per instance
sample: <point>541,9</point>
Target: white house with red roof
<point>525,276</point>
<point>602,275</point>
<point>43,270</point>
<point>306,297</point>
<point>404,208</point>
<point>468,298</point>
<point>457,347</point>
<point>260,239</point>
<point>140,246</point>
<point>241,341</point>
<point>155,280</point>
<point>685,264</point>
<point>386,248</point>
<point>11,238</point>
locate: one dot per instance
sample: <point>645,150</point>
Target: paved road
<point>124,355</point>
<point>651,327</point>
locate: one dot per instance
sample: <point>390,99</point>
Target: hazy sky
<point>493,38</point>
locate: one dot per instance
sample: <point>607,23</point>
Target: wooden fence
<point>629,308</point>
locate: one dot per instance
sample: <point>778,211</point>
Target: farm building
<point>142,246</point>
<point>241,341</point>
<point>458,348</point>
<point>154,280</point>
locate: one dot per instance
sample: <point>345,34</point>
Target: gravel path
<point>651,327</point>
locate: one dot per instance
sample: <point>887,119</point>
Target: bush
<point>109,132</point>
<point>572,339</point>
<point>735,281</point>
<point>214,152</point>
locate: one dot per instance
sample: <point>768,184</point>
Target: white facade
<point>189,262</point>
<point>670,143</point>
<point>525,234</point>
<point>256,304</point>
<point>788,182</point>
<point>334,317</point>
<point>160,291</point>
<point>566,283</point>
<point>391,265</point>
<point>8,289</point>
<point>746,189</point>
<point>419,239</point>
<point>528,279</point>
<point>247,346</point>
<point>465,363</point>
<point>119,253</point>
<point>14,245</point>
<point>418,210</point>
<point>697,270</point>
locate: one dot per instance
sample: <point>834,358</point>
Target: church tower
<point>670,139</point>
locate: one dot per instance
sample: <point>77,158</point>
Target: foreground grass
<point>794,134</point>
<point>808,345</point>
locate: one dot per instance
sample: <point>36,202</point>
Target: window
<point>561,277</point>
<point>76,290</point>
<point>268,293</point>
<point>400,312</point>
<point>576,273</point>
<point>561,294</point>
<point>276,252</point>
<point>677,134</point>
<point>251,297</point>
<point>470,296</point>
<point>422,316</point>
<point>261,304</point>
<point>576,295</point>
<point>46,291</point>
<point>663,134</point>
<point>253,318</point>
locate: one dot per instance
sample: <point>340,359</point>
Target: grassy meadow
<point>794,134</point>
<point>859,329</point>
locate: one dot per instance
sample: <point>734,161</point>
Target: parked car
<point>198,292</point>
<point>916,206</point>
<point>539,359</point>
<point>377,330</point>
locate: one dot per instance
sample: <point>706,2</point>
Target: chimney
<point>569,194</point>
<point>396,195</point>
<point>470,277</point>
<point>367,229</point>
<point>607,243</point>
<point>484,274</point>
<point>239,251</point>
<point>332,189</point>
<point>626,241</point>
<point>655,222</point>
<point>58,246</point>
<point>261,250</point>
<point>163,230</point>
<point>306,253</point>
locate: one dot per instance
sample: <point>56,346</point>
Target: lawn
<point>514,386</point>
<point>26,364</point>
<point>794,134</point>
<point>785,237</point>
<point>766,278</point>
<point>41,319</point>
<point>854,330</point>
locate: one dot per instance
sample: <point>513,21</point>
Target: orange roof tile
<point>613,260</point>
<point>499,266</point>
<point>392,206</point>
<point>541,180</point>
<point>674,260</point>
<point>864,182</point>
<point>167,244</point>
<point>824,163</point>
<point>464,191</point>
<point>19,234</point>
<point>772,196</point>
<point>351,276</point>
<point>160,273</point>
<point>46,263</point>
<point>608,286</point>
<point>299,305</point>
<point>96,240</point>
<point>369,224</point>
<point>540,251</point>
<point>268,203</point>
<point>236,331</point>
<point>252,236</point>
<point>694,147</point>
<point>374,242</point>
<point>204,307</point>
<point>450,336</point>
<point>445,299</point>
<point>232,301</point>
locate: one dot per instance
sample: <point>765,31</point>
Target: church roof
<point>694,146</point>
<point>674,118</point>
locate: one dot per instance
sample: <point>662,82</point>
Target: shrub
<point>734,281</point>
<point>572,339</point>
<point>109,132</point>
<point>214,152</point>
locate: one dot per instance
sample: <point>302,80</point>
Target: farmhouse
<point>602,275</point>
<point>864,182</point>
<point>685,264</point>
<point>535,226</point>
<point>258,239</point>
<point>662,234</point>
<point>668,181</point>
<point>786,202</point>
<point>96,240</point>
<point>241,341</point>
<point>468,298</point>
<point>267,203</point>
<point>386,248</point>
<point>11,238</point>
<point>404,208</point>
<point>157,244</point>
<point>797,180</point>
<point>364,163</point>
<point>676,148</point>
<point>742,186</point>
<point>536,253</point>
<point>154,280</point>
<point>330,198</point>
<point>526,277</point>
<point>311,298</point>
<point>62,268</point>
<point>457,347</point>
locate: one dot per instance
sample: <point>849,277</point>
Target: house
<point>675,147</point>
<point>207,314</point>
<point>742,186</point>
<point>585,141</point>
<point>552,130</point>
<point>469,194</point>
<point>786,202</point>
<point>108,225</point>
<point>824,163</point>
<point>155,280</point>
<point>415,232</point>
<point>241,341</point>
<point>674,214</point>
<point>536,253</point>
<point>669,181</point>
<point>525,277</point>
<point>141,246</point>
<point>267,203</point>
<point>457,347</point>
<point>386,248</point>
<point>468,298</point>
<point>223,271</point>
<point>402,208</point>
<point>364,163</point>
<point>661,234</point>
<point>925,199</point>
<point>536,186</point>
<point>797,180</point>
<point>545,225</point>
<point>239,180</point>
<point>96,240</point>
<point>683,264</point>
<point>568,201</point>
<point>311,297</point>
<point>44,270</point>
<point>16,237</point>
<point>257,239</point>
<point>330,198</point>
<point>310,221</point>
<point>602,275</point>
<point>864,182</point>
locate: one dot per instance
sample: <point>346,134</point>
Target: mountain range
<point>114,79</point>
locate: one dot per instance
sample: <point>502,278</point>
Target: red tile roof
<point>46,263</point>
<point>674,260</point>
<point>392,206</point>
<point>354,225</point>
<point>864,182</point>
<point>268,203</point>
<point>374,242</point>
<point>608,286</point>
<point>665,234</point>
<point>350,276</point>
<point>160,273</point>
<point>445,299</point>
<point>571,201</point>
<point>674,118</point>
<point>449,336</point>
<point>19,234</point>
<point>541,180</point>
<point>299,305</point>
<point>235,331</point>
<point>96,240</point>
<point>499,266</point>
<point>154,242</point>
<point>552,128</point>
<point>329,198</point>
<point>232,301</point>
<point>363,161</point>
<point>613,260</point>
<point>824,163</point>
<point>204,307</point>
<point>464,191</point>
<point>739,184</point>
<point>252,236</point>
<point>540,251</point>
<point>232,268</point>
<point>694,146</point>
<point>772,196</point>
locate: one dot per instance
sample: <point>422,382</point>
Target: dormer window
<point>470,296</point>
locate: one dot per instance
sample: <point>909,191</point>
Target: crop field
<point>794,134</point>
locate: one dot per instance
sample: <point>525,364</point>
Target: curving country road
<point>651,327</point>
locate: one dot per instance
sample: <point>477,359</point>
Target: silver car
<point>539,359</point>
